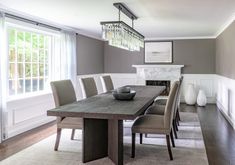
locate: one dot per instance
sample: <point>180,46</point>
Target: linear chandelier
<point>121,35</point>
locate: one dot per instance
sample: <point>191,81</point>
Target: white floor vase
<point>190,95</point>
<point>201,98</point>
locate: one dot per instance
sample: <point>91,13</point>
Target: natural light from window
<point>28,58</point>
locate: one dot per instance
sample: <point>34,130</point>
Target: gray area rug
<point>189,150</point>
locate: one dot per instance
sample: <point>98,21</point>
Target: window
<point>29,53</point>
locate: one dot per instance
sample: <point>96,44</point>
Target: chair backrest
<point>89,87</point>
<point>107,83</point>
<point>178,96</point>
<point>63,92</point>
<point>170,105</point>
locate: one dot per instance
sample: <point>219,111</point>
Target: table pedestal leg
<point>95,139</point>
<point>102,138</point>
<point>115,141</point>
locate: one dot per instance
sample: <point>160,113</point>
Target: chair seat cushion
<point>160,102</point>
<point>156,110</point>
<point>150,124</point>
<point>71,122</point>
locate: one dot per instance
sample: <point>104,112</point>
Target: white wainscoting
<point>27,113</point>
<point>226,97</point>
<point>206,82</point>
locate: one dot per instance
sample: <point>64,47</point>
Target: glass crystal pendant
<point>121,35</point>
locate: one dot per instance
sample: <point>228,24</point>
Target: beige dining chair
<point>63,93</point>
<point>107,83</point>
<point>89,87</point>
<point>157,124</point>
<point>158,108</point>
<point>163,101</point>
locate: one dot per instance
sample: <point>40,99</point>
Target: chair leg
<point>72,134</point>
<point>176,125</point>
<point>57,139</point>
<point>141,138</point>
<point>146,135</point>
<point>172,139</point>
<point>133,146</point>
<point>177,121</point>
<point>169,146</point>
<point>178,114</point>
<point>174,129</point>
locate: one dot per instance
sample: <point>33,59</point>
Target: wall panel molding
<point>226,98</point>
<point>219,89</point>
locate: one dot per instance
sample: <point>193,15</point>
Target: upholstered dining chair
<point>63,93</point>
<point>158,108</point>
<point>107,83</point>
<point>89,87</point>
<point>157,124</point>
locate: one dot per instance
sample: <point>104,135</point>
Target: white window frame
<point>19,25</point>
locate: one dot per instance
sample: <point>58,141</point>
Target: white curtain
<point>63,66</point>
<point>64,57</point>
<point>3,78</point>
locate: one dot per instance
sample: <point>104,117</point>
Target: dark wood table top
<point>104,106</point>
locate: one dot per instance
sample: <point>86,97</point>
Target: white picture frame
<point>158,52</point>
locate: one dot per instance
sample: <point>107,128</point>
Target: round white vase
<point>190,95</point>
<point>201,98</point>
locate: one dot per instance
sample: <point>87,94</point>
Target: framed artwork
<point>158,52</point>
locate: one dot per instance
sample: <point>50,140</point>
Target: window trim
<point>30,29</point>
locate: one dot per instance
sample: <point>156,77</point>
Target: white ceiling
<point>157,18</point>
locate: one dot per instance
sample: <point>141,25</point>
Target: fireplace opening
<point>165,83</point>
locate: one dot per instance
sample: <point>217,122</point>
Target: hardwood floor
<point>219,136</point>
<point>24,140</point>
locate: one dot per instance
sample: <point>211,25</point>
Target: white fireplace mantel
<point>157,72</point>
<point>158,66</point>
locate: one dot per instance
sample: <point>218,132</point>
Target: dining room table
<point>103,116</point>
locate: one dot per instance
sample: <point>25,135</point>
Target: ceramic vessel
<point>124,90</point>
<point>201,98</point>
<point>190,95</point>
<point>124,96</point>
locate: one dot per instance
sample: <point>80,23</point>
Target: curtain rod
<point>31,21</point>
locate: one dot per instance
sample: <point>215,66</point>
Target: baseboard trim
<point>222,110</point>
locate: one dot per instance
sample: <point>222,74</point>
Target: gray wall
<point>90,55</point>
<point>198,56</point>
<point>225,52</point>
<point>118,60</point>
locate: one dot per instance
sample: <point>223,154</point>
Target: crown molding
<point>225,25</point>
<point>178,38</point>
<point>87,34</point>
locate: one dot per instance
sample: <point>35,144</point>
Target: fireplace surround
<point>157,73</point>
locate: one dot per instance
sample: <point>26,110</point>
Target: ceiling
<point>158,19</point>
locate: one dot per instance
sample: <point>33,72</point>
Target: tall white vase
<point>190,95</point>
<point>201,98</point>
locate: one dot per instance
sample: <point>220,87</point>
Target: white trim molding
<point>225,25</point>
<point>179,38</point>
<point>158,66</point>
<point>218,89</point>
<point>27,113</point>
<point>226,97</point>
<point>205,82</point>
